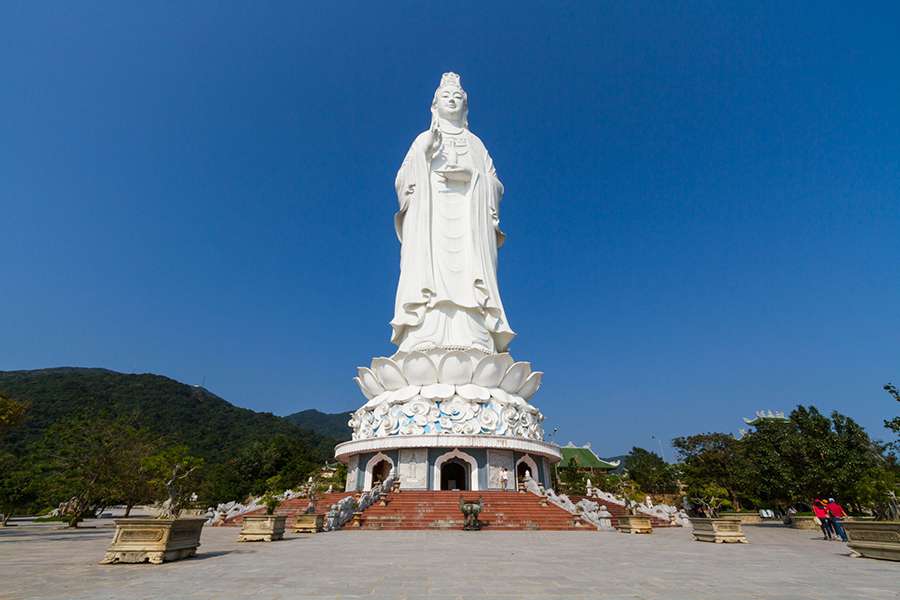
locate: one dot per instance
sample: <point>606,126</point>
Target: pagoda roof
<point>585,457</point>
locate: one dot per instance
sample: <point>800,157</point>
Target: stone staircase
<point>410,509</point>
<point>295,506</point>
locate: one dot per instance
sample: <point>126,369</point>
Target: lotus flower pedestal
<point>427,409</point>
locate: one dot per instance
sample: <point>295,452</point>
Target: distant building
<point>763,415</point>
<point>585,459</point>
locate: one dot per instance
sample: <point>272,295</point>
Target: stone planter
<point>634,524</point>
<point>720,531</point>
<point>874,539</point>
<point>746,518</point>
<point>309,523</point>
<point>805,522</point>
<point>262,528</point>
<point>153,540</point>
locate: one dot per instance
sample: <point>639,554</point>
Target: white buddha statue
<point>448,225</point>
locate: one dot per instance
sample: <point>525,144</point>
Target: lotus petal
<point>438,391</point>
<point>388,373</point>
<point>473,392</point>
<point>500,396</point>
<point>456,368</point>
<point>490,369</point>
<point>376,400</point>
<point>517,401</point>
<point>531,385</point>
<point>419,369</point>
<point>368,382</point>
<point>405,393</point>
<point>362,388</point>
<point>515,377</point>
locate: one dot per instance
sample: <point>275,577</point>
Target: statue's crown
<point>450,80</point>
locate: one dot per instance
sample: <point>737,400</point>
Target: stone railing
<point>229,510</point>
<point>589,512</point>
<point>663,512</point>
<point>342,512</point>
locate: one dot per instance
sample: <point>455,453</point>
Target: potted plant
<point>631,521</point>
<point>878,538</point>
<point>268,527</point>
<point>709,526</point>
<point>167,537</point>
<point>310,521</point>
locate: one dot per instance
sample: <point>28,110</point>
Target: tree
<point>12,413</point>
<point>16,491</point>
<point>175,476</point>
<point>572,480</point>
<point>893,424</point>
<point>133,483</point>
<point>89,463</point>
<point>788,463</point>
<point>650,472</point>
<point>713,458</point>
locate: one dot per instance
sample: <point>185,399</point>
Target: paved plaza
<point>45,562</point>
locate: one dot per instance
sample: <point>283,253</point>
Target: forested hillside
<point>330,424</point>
<point>242,449</point>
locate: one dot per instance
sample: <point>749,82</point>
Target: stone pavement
<point>43,562</point>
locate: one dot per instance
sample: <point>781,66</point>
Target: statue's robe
<point>416,289</point>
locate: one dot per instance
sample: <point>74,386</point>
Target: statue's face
<point>451,102</point>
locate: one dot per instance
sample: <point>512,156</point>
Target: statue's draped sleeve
<point>413,225</point>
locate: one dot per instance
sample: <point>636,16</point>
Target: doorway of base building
<point>521,469</point>
<point>380,472</point>
<point>455,475</point>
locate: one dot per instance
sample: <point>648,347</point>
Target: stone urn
<point>154,540</point>
<point>804,522</point>
<point>723,530</point>
<point>746,518</point>
<point>874,539</point>
<point>309,523</point>
<point>262,528</point>
<point>634,524</point>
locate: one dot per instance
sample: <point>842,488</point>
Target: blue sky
<point>702,200</point>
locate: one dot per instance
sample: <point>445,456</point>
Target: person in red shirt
<point>820,510</point>
<point>836,511</point>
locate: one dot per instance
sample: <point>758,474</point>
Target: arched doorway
<point>377,462</point>
<point>469,479</point>
<point>454,475</point>
<point>521,470</point>
<point>526,463</point>
<point>380,472</point>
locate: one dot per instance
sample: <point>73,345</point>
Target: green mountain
<point>332,425</point>
<point>242,448</point>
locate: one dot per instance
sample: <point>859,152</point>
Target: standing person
<point>504,478</point>
<point>821,513</point>
<point>837,516</point>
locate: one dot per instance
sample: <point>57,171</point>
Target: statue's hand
<point>433,142</point>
